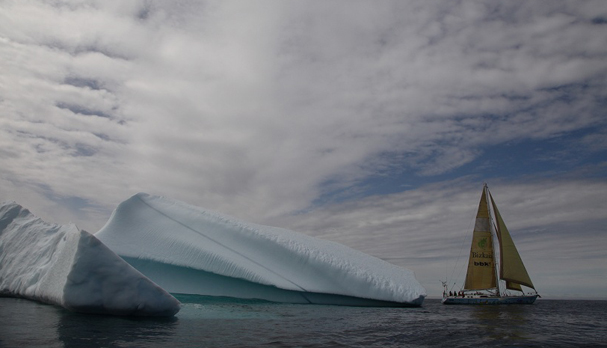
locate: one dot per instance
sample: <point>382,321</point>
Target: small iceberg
<point>189,250</point>
<point>65,266</point>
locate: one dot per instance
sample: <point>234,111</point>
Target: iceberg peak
<point>69,267</point>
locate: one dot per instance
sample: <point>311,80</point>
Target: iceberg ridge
<point>65,266</point>
<point>186,249</point>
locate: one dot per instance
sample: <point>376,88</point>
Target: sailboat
<point>491,279</point>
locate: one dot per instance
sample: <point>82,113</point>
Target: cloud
<point>268,109</point>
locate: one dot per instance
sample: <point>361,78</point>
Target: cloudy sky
<point>373,124</point>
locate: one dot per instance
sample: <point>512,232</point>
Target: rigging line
<point>223,245</point>
<point>459,255</point>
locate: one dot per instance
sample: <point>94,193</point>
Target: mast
<point>496,240</point>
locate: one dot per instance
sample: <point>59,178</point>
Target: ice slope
<point>69,267</point>
<point>186,249</point>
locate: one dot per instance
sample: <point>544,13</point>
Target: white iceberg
<point>62,265</point>
<point>189,250</point>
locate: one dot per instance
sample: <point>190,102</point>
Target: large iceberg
<point>62,265</point>
<point>189,250</point>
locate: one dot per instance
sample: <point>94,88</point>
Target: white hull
<point>487,300</point>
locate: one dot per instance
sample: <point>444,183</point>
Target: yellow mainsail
<point>512,269</point>
<point>481,265</point>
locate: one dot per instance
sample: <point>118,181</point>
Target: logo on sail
<point>483,254</point>
<point>482,243</point>
<point>482,264</point>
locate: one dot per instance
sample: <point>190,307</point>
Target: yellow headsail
<point>512,269</point>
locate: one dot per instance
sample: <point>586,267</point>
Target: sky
<point>370,123</point>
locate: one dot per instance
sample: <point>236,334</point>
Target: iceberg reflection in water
<point>222,322</point>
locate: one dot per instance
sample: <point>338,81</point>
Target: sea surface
<point>216,322</point>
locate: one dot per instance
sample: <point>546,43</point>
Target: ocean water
<point>216,322</point>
